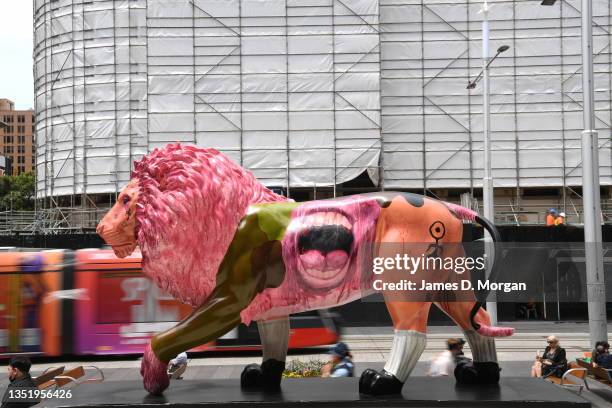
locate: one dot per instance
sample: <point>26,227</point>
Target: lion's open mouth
<point>325,245</point>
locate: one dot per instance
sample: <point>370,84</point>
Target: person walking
<point>444,364</point>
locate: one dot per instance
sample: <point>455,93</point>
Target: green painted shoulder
<point>273,218</point>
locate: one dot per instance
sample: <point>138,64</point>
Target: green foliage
<point>17,192</point>
<point>300,369</point>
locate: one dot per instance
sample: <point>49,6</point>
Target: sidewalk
<point>531,327</point>
<point>373,343</point>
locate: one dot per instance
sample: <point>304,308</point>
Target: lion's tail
<point>489,331</point>
<point>472,216</point>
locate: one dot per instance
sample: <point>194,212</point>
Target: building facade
<point>317,94</point>
<point>17,143</point>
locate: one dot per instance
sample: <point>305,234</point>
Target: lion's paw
<point>154,372</point>
<point>251,376</point>
<point>374,383</point>
<point>469,372</point>
<point>267,377</point>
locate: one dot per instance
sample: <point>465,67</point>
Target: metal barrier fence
<point>74,220</point>
<point>51,221</point>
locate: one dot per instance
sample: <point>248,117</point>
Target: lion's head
<point>182,207</point>
<point>118,227</point>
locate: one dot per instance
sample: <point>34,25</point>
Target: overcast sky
<point>16,78</point>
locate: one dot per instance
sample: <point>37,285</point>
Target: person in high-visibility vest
<point>560,220</point>
<point>551,216</point>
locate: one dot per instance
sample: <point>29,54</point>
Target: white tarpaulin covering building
<point>310,91</point>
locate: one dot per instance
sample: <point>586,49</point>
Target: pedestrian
<point>340,364</point>
<point>21,385</point>
<point>177,366</point>
<point>560,220</point>
<point>551,216</point>
<point>444,364</point>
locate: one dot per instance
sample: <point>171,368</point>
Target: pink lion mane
<point>190,202</point>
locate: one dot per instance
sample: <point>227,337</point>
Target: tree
<point>17,192</point>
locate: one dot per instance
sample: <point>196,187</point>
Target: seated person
<point>340,364</point>
<point>601,355</point>
<point>552,362</point>
<point>444,363</point>
<point>20,382</point>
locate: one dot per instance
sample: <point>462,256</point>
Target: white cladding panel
<point>304,92</point>
<point>432,125</point>
<point>289,89</point>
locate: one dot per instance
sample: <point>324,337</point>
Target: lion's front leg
<point>218,315</point>
<point>274,335</point>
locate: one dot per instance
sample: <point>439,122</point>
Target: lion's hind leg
<point>409,339</point>
<point>485,368</point>
<point>274,335</point>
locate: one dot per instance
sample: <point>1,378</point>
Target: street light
<point>472,84</point>
<point>487,180</point>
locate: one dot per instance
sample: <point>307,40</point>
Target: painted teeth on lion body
<point>320,219</point>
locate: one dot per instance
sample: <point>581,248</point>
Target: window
<point>8,139</point>
<point>8,149</point>
<point>20,129</point>
<point>21,159</point>
<point>21,119</point>
<point>21,139</point>
<point>21,149</point>
<point>8,129</point>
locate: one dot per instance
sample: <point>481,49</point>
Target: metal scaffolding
<point>308,93</point>
<point>288,89</point>
<point>433,128</point>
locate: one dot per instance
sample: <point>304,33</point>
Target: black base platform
<point>332,392</point>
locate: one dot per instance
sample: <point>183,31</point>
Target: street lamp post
<point>487,181</point>
<point>596,288</point>
<point>596,296</point>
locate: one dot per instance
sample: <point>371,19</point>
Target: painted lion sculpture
<point>215,238</point>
